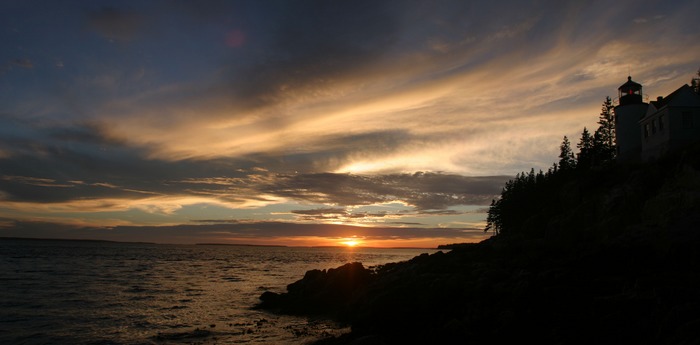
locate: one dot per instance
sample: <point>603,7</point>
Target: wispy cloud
<point>314,111</point>
<point>22,62</point>
<point>115,24</point>
<point>242,232</point>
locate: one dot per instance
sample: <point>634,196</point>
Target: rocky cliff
<point>619,264</point>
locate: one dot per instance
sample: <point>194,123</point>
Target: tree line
<point>525,196</point>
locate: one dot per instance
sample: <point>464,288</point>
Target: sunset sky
<point>388,123</point>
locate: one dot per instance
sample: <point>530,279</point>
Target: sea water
<point>81,292</point>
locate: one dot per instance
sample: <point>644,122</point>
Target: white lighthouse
<point>630,109</point>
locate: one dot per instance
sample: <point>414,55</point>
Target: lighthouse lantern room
<point>630,92</point>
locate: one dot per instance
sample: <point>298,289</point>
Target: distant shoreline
<point>363,247</point>
<point>67,240</point>
<point>283,246</point>
<point>241,245</point>
<point>441,247</point>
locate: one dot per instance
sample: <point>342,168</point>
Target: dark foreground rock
<point>644,290</point>
<point>321,292</point>
<point>620,266</point>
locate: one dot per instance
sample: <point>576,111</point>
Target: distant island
<point>241,245</point>
<point>67,240</point>
<point>597,250</point>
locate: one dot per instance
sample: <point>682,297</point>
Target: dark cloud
<point>84,162</point>
<point>406,223</point>
<point>312,46</point>
<point>115,24</point>
<point>360,215</point>
<point>23,62</point>
<point>322,211</point>
<point>480,210</point>
<point>440,212</point>
<point>241,231</point>
<point>335,214</point>
<point>43,190</point>
<point>425,191</point>
<point>85,133</point>
<point>124,172</point>
<point>108,168</point>
<point>328,151</point>
<point>484,84</point>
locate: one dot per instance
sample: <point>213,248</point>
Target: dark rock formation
<point>320,291</point>
<point>642,290</point>
<point>631,275</point>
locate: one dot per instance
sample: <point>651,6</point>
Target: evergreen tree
<point>586,152</point>
<point>607,123</point>
<point>601,151</point>
<point>493,217</point>
<point>566,156</point>
<point>606,131</point>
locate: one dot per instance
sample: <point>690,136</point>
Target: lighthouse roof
<point>630,85</point>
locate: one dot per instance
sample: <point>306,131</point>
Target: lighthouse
<point>629,110</point>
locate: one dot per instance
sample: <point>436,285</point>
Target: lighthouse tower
<point>630,109</point>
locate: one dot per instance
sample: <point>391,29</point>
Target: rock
<point>320,291</point>
<point>269,300</point>
<point>636,286</point>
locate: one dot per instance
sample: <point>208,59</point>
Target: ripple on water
<point>106,293</point>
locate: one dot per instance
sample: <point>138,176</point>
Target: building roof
<point>664,101</point>
<point>680,97</point>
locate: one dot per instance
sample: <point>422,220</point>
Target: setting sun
<point>350,242</point>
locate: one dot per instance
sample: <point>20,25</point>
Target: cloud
<point>22,62</point>
<point>322,211</point>
<point>124,180</point>
<point>421,190</point>
<point>115,24</point>
<point>352,88</point>
<point>89,162</point>
<point>325,107</point>
<point>341,215</point>
<point>316,45</point>
<point>237,232</point>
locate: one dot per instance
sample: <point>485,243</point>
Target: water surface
<point>78,292</point>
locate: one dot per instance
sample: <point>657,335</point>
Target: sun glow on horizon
<point>351,242</point>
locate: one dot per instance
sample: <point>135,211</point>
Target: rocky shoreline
<point>627,273</point>
<point>644,289</point>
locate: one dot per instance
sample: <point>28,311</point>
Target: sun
<point>350,242</point>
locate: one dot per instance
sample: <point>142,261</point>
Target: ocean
<point>86,292</point>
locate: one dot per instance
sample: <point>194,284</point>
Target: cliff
<point>610,256</point>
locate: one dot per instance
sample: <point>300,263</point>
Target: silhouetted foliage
<point>586,150</point>
<point>521,197</point>
<point>566,156</point>
<point>526,199</point>
<point>604,137</point>
<point>598,149</point>
<point>587,252</point>
<point>592,256</point>
<point>606,128</point>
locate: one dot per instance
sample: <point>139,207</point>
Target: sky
<point>303,123</point>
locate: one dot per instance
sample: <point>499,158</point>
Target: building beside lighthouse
<point>648,130</point>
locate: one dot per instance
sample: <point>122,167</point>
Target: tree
<point>493,218</point>
<point>566,156</point>
<point>606,120</point>
<point>585,147</point>
<point>606,131</point>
